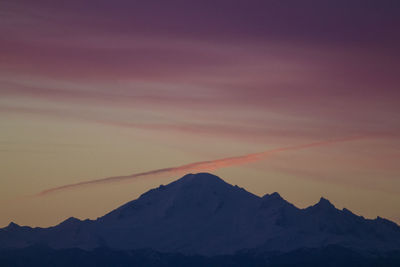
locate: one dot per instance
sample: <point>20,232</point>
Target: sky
<point>298,97</point>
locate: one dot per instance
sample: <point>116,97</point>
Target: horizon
<point>198,175</point>
<point>101,101</point>
<point>322,198</point>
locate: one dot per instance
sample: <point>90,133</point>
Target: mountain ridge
<point>202,214</point>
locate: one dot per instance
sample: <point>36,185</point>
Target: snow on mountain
<point>202,214</point>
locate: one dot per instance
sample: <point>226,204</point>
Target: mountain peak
<point>274,195</point>
<point>204,185</point>
<point>197,181</point>
<point>70,221</point>
<point>274,200</point>
<point>193,195</point>
<point>202,177</point>
<point>13,225</point>
<point>324,204</point>
<point>189,181</point>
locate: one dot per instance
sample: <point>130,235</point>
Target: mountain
<point>41,256</point>
<point>202,214</point>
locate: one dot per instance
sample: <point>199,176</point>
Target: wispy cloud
<point>198,166</point>
<point>239,129</point>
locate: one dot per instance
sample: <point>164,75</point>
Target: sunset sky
<point>98,89</point>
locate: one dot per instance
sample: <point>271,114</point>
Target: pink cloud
<point>199,166</point>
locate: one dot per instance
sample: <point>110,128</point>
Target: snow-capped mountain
<point>202,214</point>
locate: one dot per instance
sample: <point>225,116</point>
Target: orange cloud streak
<point>198,166</point>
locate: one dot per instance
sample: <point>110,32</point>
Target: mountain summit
<point>202,214</point>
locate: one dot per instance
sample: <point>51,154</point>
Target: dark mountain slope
<point>202,214</point>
